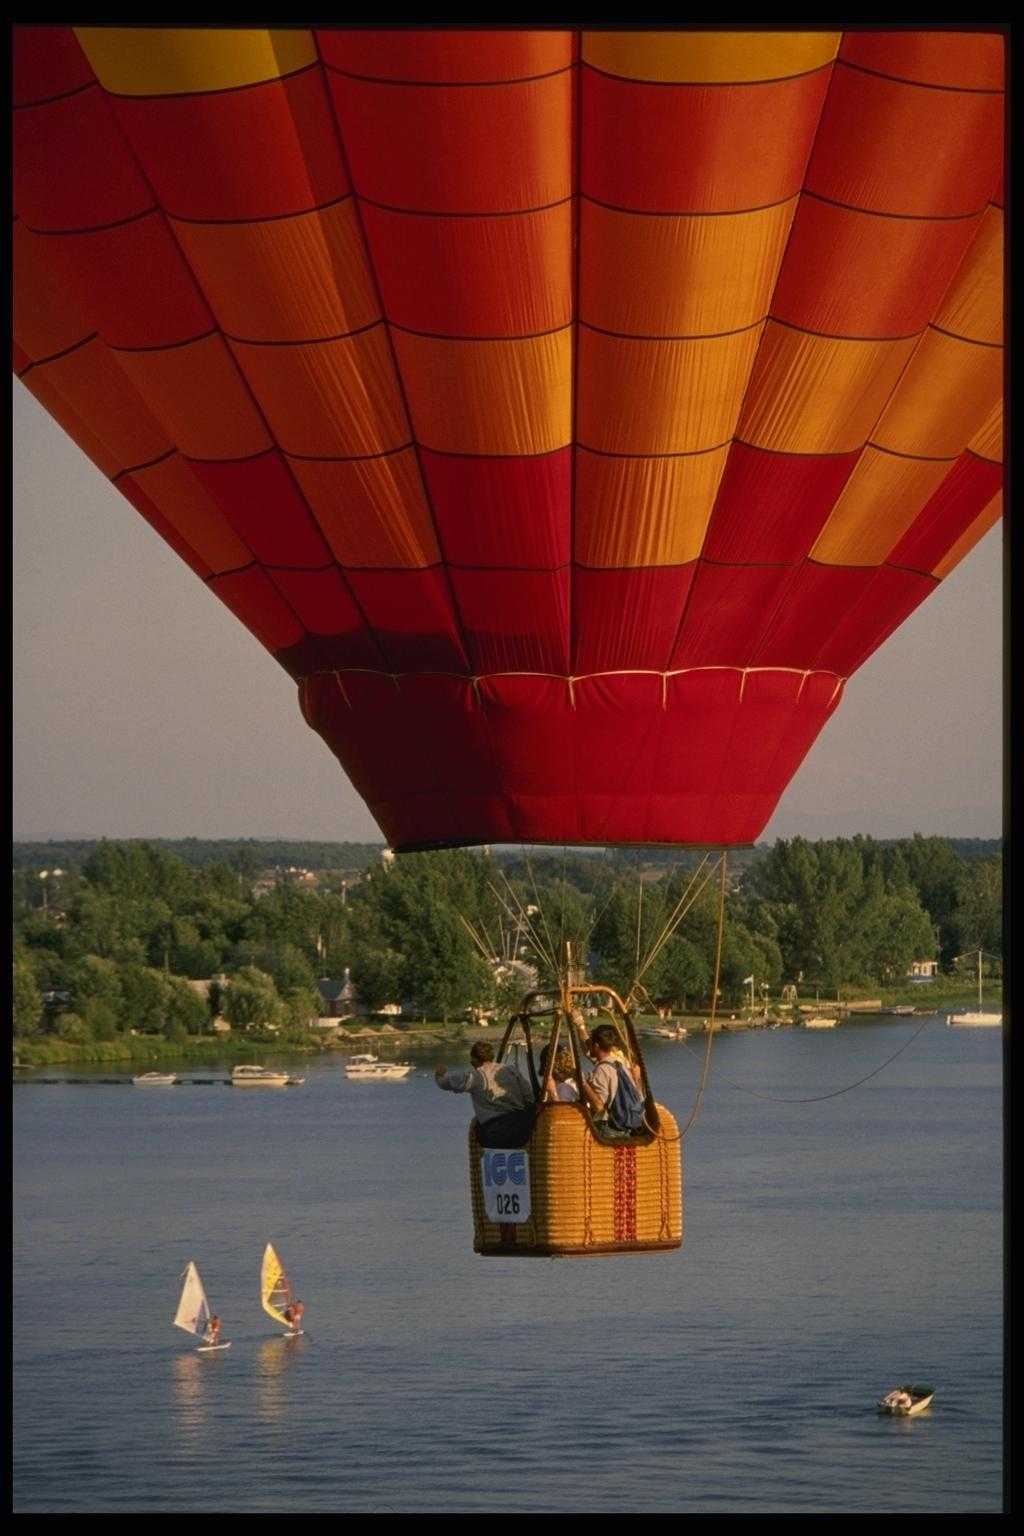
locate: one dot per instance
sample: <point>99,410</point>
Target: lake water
<point>832,1250</point>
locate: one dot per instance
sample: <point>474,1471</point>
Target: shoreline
<point>206,1050</point>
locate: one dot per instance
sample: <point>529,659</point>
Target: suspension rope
<point>522,918</point>
<point>679,911</point>
<point>543,914</point>
<point>819,1098</point>
<point>706,1068</point>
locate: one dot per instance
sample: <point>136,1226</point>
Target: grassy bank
<point>50,1051</point>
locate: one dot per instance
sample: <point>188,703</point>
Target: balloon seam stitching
<point>393,353</point>
<point>923,85</point>
<point>800,74</point>
<point>45,101</point>
<point>214,90</point>
<point>446,85</point>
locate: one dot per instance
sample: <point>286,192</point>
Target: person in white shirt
<point>563,1089</point>
<point>502,1099</point>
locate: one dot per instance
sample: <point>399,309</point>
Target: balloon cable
<point>819,1098</point>
<point>710,1027</point>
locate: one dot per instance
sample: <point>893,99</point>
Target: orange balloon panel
<point>943,398</point>
<point>371,511</point>
<point>300,279</point>
<point>816,394</point>
<point>643,275</point>
<point>335,398</point>
<point>674,497</point>
<point>519,389</point>
<point>569,413</point>
<point>649,397</point>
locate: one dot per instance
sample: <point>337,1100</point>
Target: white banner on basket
<point>506,1181</point>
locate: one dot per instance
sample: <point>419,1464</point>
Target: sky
<point>143,708</point>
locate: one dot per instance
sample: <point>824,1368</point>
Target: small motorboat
<point>819,1023</point>
<point>250,1076</point>
<point>155,1080</point>
<point>369,1069</point>
<point>904,1402</point>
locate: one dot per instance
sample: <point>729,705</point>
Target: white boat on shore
<point>369,1069</point>
<point>250,1076</point>
<point>977,1017</point>
<point>155,1080</point>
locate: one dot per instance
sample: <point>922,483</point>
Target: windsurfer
<point>293,1315</point>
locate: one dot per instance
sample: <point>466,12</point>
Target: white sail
<point>193,1312</point>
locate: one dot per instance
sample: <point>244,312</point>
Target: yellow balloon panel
<point>877,505</point>
<point>709,57</point>
<point>818,394</point>
<point>646,397</point>
<point>672,500</point>
<point>173,61</point>
<point>644,275</point>
<point>489,397</point>
<point>944,397</point>
<point>298,279</point>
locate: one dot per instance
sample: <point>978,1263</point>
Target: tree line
<point>113,944</point>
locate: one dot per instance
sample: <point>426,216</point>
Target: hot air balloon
<point>583,407</point>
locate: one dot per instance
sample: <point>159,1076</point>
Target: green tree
<point>101,1019</point>
<point>73,1028</point>
<point>900,931</point>
<point>302,1007</point>
<point>28,1001</point>
<point>978,915</point>
<point>250,999</point>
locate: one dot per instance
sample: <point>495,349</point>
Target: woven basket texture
<point>587,1196</point>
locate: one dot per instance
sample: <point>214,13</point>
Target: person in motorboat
<point>502,1098</point>
<point>613,1089</point>
<point>562,1088</point>
<point>212,1333</point>
<point>293,1315</point>
<point>898,1399</point>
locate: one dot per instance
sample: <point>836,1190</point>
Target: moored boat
<point>980,1019</point>
<point>371,1069</point>
<point>250,1076</point>
<point>904,1402</point>
<point>155,1080</point>
<point>819,1023</point>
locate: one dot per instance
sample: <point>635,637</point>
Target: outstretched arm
<point>457,1080</point>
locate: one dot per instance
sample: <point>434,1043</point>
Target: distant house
<point>203,987</point>
<point>337,998</point>
<point>923,970</point>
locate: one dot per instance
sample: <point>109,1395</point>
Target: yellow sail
<point>275,1292</point>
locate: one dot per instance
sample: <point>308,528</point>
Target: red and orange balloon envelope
<point>570,414</point>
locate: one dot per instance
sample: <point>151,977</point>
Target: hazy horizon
<point>142,708</point>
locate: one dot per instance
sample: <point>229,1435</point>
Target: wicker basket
<point>588,1196</point>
